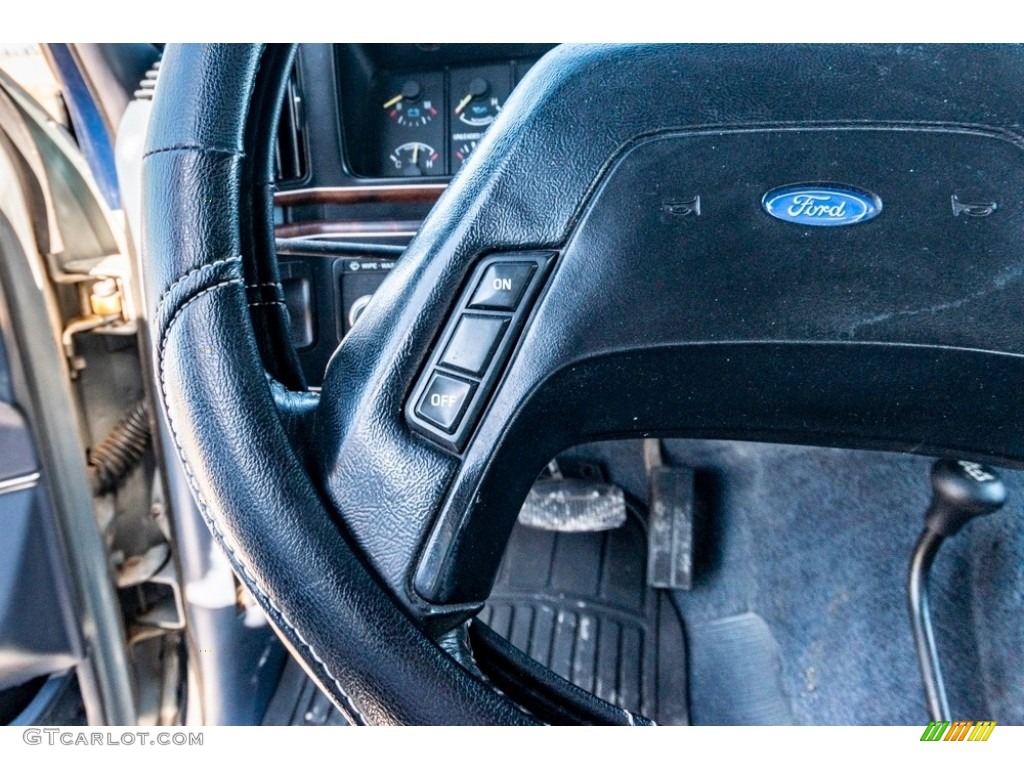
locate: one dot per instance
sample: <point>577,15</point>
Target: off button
<point>502,286</point>
<point>444,400</point>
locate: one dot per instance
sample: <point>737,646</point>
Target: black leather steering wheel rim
<point>376,665</point>
<point>374,537</point>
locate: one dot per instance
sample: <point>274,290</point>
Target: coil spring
<point>121,450</point>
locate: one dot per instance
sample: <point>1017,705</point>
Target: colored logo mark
<point>821,206</point>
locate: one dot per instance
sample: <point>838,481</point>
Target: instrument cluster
<point>430,122</point>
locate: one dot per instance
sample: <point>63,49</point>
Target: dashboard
<point>369,136</point>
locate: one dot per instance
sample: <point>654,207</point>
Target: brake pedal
<point>573,505</point>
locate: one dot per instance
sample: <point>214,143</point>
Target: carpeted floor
<point>798,611</point>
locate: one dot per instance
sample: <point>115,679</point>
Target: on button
<point>502,286</point>
<point>444,400</point>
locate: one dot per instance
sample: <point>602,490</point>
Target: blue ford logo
<point>821,205</point>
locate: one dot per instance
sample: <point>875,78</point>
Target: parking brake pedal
<point>670,526</point>
<point>573,505</point>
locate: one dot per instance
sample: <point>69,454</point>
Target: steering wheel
<point>607,265</point>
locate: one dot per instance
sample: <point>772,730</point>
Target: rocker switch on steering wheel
<point>477,340</point>
<point>502,286</point>
<point>444,400</point>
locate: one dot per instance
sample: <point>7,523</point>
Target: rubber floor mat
<point>298,701</point>
<point>579,604</point>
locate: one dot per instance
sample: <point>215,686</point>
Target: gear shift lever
<point>961,491</point>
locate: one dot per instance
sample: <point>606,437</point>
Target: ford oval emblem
<point>822,205</point>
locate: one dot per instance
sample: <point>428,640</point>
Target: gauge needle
<point>392,102</point>
<point>462,104</point>
<point>416,155</point>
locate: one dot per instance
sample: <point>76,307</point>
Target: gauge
<point>414,159</point>
<point>410,107</point>
<point>478,106</point>
<point>463,151</point>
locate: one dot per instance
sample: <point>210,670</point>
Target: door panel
<point>34,636</point>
